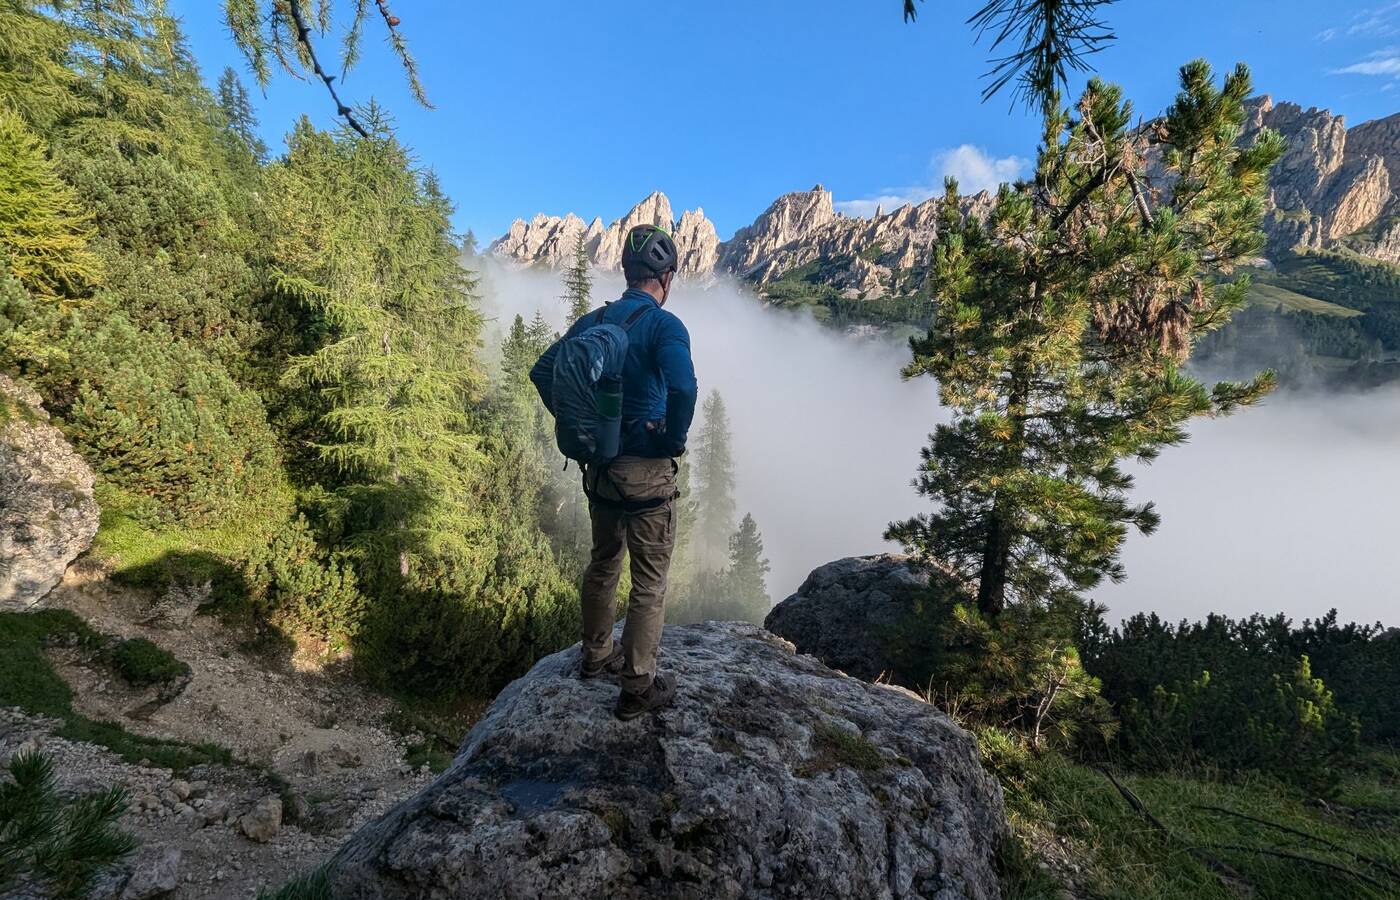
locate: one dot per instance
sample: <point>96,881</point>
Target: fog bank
<point>1286,507</point>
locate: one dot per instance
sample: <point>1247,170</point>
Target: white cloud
<point>1382,62</point>
<point>1376,21</point>
<point>976,171</point>
<point>974,168</point>
<point>887,202</point>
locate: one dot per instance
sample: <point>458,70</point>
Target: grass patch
<point>1075,810</point>
<point>435,730</point>
<point>142,663</point>
<point>27,680</point>
<point>153,558</point>
<point>1277,297</point>
<point>838,748</point>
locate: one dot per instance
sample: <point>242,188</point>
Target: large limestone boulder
<point>772,776</point>
<point>47,513</point>
<point>851,613</point>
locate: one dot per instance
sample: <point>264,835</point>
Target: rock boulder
<point>772,776</point>
<point>847,612</point>
<point>47,513</point>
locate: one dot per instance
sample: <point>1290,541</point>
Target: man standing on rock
<point>631,500</point>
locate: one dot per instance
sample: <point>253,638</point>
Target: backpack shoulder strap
<point>637,314</point>
<point>602,311</point>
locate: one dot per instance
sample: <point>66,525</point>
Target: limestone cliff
<point>1333,182</point>
<point>550,240</point>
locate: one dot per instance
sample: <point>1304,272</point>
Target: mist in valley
<point>1284,507</point>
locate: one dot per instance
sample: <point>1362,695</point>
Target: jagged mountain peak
<point>550,240</point>
<point>1335,186</point>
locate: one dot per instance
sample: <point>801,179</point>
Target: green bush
<point>167,423</point>
<point>292,580</point>
<point>143,663</point>
<point>1020,671</point>
<point>1289,726</point>
<point>446,644</point>
<point>1229,695</point>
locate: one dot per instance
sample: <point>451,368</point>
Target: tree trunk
<point>996,546</point>
<point>996,557</point>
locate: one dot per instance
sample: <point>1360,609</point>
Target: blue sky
<point>738,101</point>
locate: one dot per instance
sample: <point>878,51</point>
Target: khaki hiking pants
<point>650,536</point>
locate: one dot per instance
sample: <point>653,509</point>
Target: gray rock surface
<point>262,823</point>
<point>155,874</point>
<point>846,611</point>
<point>47,513</point>
<point>772,776</point>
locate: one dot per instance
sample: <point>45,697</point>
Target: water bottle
<point>608,401</point>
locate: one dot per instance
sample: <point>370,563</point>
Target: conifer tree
<point>578,283</point>
<point>714,486</point>
<point>1063,325</point>
<point>134,72</point>
<point>52,843</point>
<point>44,232</point>
<point>747,585</point>
<point>364,241</point>
<point>35,78</point>
<point>233,100</point>
<point>736,592</point>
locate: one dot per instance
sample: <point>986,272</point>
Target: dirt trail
<point>313,741</point>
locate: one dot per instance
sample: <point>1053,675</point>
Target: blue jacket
<point>658,379</point>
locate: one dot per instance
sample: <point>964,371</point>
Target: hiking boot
<point>608,667</point>
<point>659,694</point>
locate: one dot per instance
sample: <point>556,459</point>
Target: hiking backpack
<point>588,389</point>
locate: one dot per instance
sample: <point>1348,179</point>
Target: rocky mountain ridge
<point>1336,187</point>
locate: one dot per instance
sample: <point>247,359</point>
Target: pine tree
<point>1063,325</point>
<point>578,283</point>
<point>35,79</point>
<point>135,72</point>
<point>54,843</point>
<point>238,111</point>
<point>747,586</point>
<point>1035,43</point>
<point>44,232</point>
<point>714,486</point>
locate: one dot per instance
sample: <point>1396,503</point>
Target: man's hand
<point>658,429</point>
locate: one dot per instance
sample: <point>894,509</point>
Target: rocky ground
<point>771,776</point>
<point>316,757</point>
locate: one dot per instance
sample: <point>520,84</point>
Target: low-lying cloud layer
<point>1288,507</point>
